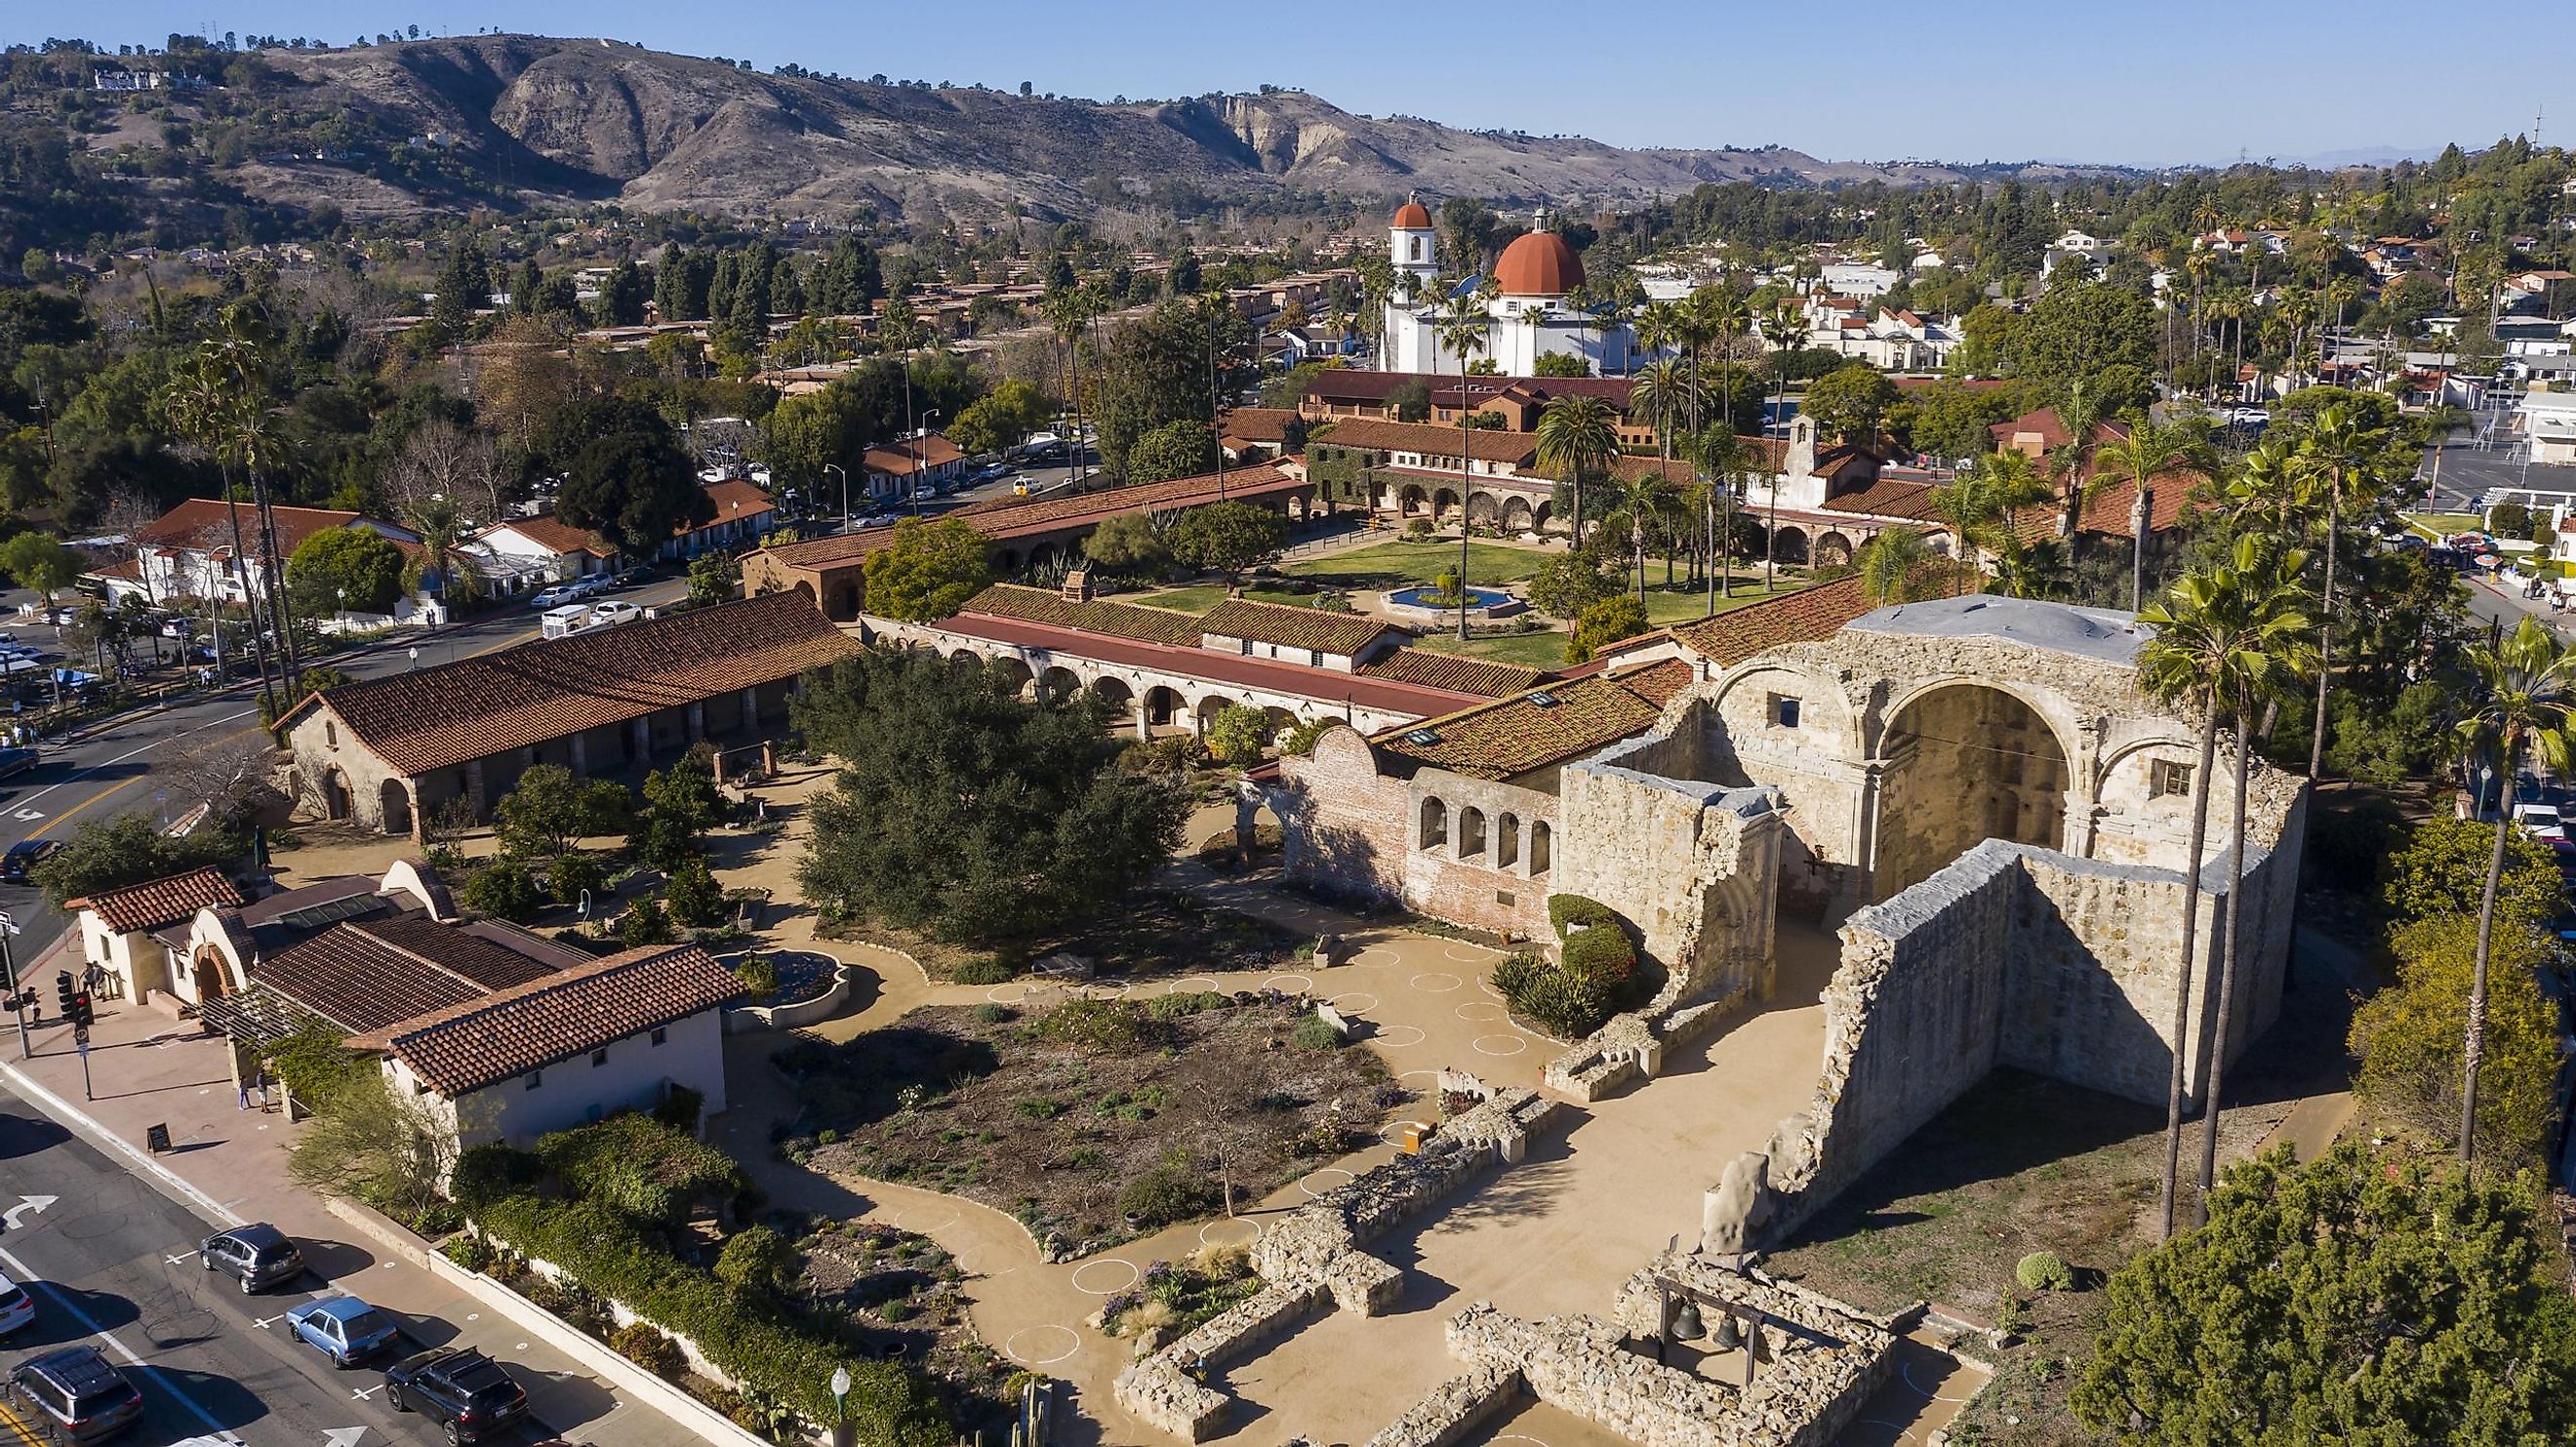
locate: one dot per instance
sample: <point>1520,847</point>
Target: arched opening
<point>1281,720</point>
<point>1042,557</point>
<point>1833,550</point>
<point>1006,562</point>
<point>1964,763</point>
<point>209,974</point>
<point>1434,830</point>
<point>1409,502</point>
<point>1014,673</point>
<point>1207,708</point>
<point>335,796</point>
<point>965,658</point>
<point>1543,516</point>
<point>1481,511</point>
<point>1517,517</point>
<point>1789,545</point>
<point>1471,832</point>
<point>1443,503</point>
<point>393,800</point>
<point>1114,692</point>
<point>1059,682</point>
<point>1507,840</point>
<point>1542,840</point>
<point>1163,707</point>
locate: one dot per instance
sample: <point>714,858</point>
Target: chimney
<point>1077,585</point>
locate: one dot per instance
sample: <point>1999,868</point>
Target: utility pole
<point>17,999</point>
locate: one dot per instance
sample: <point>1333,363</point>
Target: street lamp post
<point>9,965</point>
<point>840,1406</point>
<point>845,487</point>
<point>918,433</point>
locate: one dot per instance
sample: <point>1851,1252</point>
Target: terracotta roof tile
<point>1808,615</point>
<point>467,1046</point>
<point>1449,670</point>
<point>895,459</point>
<point>1485,444</point>
<point>555,535</point>
<point>1348,385</point>
<point>1265,425</point>
<point>202,524</point>
<point>1017,517</point>
<point>735,501</point>
<point>1346,634</point>
<point>474,708</point>
<point>1887,497</point>
<point>157,902</point>
<point>1116,620</point>
<point>1546,726</point>
<point>368,975</point>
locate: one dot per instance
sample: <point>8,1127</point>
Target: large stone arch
<point>1409,502</point>
<point>393,805</point>
<point>1060,682</point>
<point>1964,762</point>
<point>1517,517</point>
<point>1208,706</point>
<point>1789,545</point>
<point>1443,503</point>
<point>336,796</point>
<point>1833,549</point>
<point>1014,671</point>
<point>1482,510</point>
<point>1163,706</point>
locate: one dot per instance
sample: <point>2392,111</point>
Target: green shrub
<point>679,1108</point>
<point>1174,1007</point>
<point>897,1310</point>
<point>757,1262</point>
<point>644,1344</point>
<point>644,923</point>
<point>993,1013</point>
<point>985,972</point>
<point>470,1251</point>
<point>759,975</point>
<point>504,890</point>
<point>1113,1027</point>
<point>1314,1032</point>
<point>1167,1193</point>
<point>1564,1004</point>
<point>1513,972</point>
<point>489,1173</point>
<point>1600,956</point>
<point>1567,912</point>
<point>695,899</point>
<point>574,875</point>
<point>2044,1271</point>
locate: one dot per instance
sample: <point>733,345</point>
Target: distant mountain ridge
<point>574,120</point>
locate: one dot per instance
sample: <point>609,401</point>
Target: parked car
<point>461,1389</point>
<point>995,472</point>
<point>610,614</point>
<point>343,1328</point>
<point>570,618</point>
<point>554,597</point>
<point>76,1395</point>
<point>2541,821</point>
<point>17,1307</point>
<point>25,855</point>
<point>591,587</point>
<point>15,761</point>
<point>259,1256</point>
<point>634,577</point>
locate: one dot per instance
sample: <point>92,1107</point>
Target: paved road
<point>110,1263</point>
<point>111,770</point>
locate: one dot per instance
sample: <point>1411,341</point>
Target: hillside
<point>558,120</point>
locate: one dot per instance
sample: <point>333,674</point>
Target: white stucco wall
<point>574,1092</point>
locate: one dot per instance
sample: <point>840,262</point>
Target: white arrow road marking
<point>343,1436</point>
<point>182,1256</point>
<point>31,814</point>
<point>265,1322</point>
<point>363,1393</point>
<point>64,1304</point>
<point>26,1204</point>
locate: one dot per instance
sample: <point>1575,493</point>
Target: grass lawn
<point>1533,650</point>
<point>1395,565</point>
<point>2439,525</point>
<point>1689,605</point>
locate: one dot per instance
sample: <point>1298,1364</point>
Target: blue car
<point>343,1328</point>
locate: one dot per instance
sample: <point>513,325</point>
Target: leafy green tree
<point>1175,449</point>
<point>573,875</point>
<point>1000,419</point>
<point>345,569</point>
<point>681,803</point>
<point>813,432</point>
<point>2410,1036</point>
<point>551,807</point>
<point>966,811</point>
<point>623,295</point>
<point>1578,443</point>
<point>758,1262</point>
<point>128,849</point>
<point>631,479</point>
<point>645,923</point>
<point>1849,402</point>
<point>2077,333</point>
<point>1949,419</point>
<point>1128,544</point>
<point>713,578</point>
<point>1569,582</point>
<point>695,899</point>
<point>2442,871</point>
<point>504,889</point>
<point>2353,1300</point>
<point>40,563</point>
<point>927,570</point>
<point>1238,734</point>
<point>1603,624</point>
<point>1226,536</point>
<point>1156,372</point>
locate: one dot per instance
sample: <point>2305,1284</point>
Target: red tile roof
<point>1450,671</point>
<point>1019,517</point>
<point>204,524</point>
<point>735,501</point>
<point>896,458</point>
<point>1346,634</point>
<point>157,902</point>
<point>1345,386</point>
<point>2051,429</point>
<point>1324,685</point>
<point>1114,620</point>
<point>1888,498</point>
<point>1546,726</point>
<point>555,535</point>
<point>1485,444</point>
<point>1267,426</point>
<point>1809,615</point>
<point>569,1013</point>
<point>367,975</point>
<point>537,692</point>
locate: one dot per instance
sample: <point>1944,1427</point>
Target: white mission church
<point>1531,317</point>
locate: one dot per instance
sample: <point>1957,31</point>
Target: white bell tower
<point>1413,247</point>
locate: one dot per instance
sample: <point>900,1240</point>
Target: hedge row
<point>754,1341</point>
<point>1569,912</point>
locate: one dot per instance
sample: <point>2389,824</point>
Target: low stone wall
<point>1160,1390</point>
<point>1632,1046</point>
<point>797,1016</point>
<point>1454,1409</point>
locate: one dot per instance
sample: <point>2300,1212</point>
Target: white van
<point>570,618</point>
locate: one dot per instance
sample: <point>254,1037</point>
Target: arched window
<point>1507,841</point>
<point>1471,833</point>
<point>1435,824</point>
<point>1416,254</point>
<point>1540,838</point>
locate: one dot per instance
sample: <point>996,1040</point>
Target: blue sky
<point>2177,81</point>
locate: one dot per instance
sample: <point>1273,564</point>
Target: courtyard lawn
<point>2440,525</point>
<point>1533,650</point>
<point>1689,605</point>
<point>1397,565</point>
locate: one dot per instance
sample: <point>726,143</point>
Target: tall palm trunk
<point>2476,1046</point>
<point>2230,945</point>
<point>272,573</point>
<point>2325,631</point>
<point>241,575</point>
<point>2174,1085</point>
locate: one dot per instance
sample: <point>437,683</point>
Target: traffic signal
<point>63,993</point>
<point>78,1009</point>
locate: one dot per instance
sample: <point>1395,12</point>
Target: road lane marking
<point>141,749</point>
<point>19,1432</point>
<point>62,1303</point>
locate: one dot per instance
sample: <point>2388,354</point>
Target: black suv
<point>463,1390</point>
<point>259,1256</point>
<point>76,1394</point>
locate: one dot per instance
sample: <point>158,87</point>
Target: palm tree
<point>1659,325</point>
<point>2347,459</point>
<point>2081,415</point>
<point>2221,636</point>
<point>1377,288</point>
<point>1785,328</point>
<point>1646,500</point>
<point>1718,457</point>
<point>2152,451</point>
<point>198,399</point>
<point>2527,688</point>
<point>1971,507</point>
<point>1728,312</point>
<point>1577,445</point>
<point>241,356</point>
<point>443,558</point>
<point>1663,392</point>
<point>1464,328</point>
<point>1890,564</point>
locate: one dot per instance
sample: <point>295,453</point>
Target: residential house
<point>525,554</point>
<point>2549,424</point>
<point>743,515</point>
<point>896,469</point>
<point>207,548</point>
<point>118,927</point>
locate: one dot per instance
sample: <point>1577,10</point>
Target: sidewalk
<point>229,1165</point>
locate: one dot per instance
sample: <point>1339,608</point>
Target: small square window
<point>2167,778</point>
<point>1784,711</point>
<point>598,1058</point>
<point>1315,657</point>
<point>535,1079</point>
<point>660,1034</point>
<point>1247,648</point>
